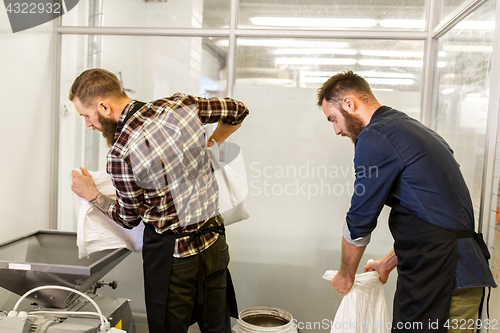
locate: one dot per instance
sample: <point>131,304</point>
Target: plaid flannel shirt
<point>160,167</point>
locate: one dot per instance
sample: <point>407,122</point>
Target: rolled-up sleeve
<point>377,165</point>
<point>360,241</point>
<point>224,110</point>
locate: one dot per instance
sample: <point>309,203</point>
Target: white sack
<point>97,232</point>
<point>232,182</point>
<point>363,309</point>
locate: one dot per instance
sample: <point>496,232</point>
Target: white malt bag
<point>363,309</point>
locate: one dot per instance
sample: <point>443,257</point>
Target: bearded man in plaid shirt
<point>160,167</point>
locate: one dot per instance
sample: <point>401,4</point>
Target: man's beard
<point>353,124</point>
<point>108,128</point>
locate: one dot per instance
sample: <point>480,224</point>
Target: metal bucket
<point>264,319</point>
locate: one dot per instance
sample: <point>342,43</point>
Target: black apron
<point>157,254</point>
<point>427,260</point>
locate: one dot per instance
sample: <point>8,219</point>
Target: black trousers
<point>183,291</point>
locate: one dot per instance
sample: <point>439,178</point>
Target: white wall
<point>26,95</point>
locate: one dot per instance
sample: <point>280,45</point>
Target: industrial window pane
<point>393,68</point>
<point>446,7</point>
<point>148,71</point>
<point>462,90</point>
<point>150,13</point>
<point>327,14</point>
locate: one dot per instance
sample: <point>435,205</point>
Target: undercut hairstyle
<point>96,83</point>
<point>342,84</point>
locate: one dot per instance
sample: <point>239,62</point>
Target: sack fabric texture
<point>96,232</point>
<point>363,309</point>
<point>231,179</point>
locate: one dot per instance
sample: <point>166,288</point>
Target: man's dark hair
<point>344,83</point>
<point>95,83</point>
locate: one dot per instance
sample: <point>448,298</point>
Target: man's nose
<point>88,123</point>
<point>337,129</point>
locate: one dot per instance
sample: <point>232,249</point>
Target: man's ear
<point>349,104</point>
<point>104,107</point>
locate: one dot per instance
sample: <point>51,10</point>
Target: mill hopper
<point>51,258</point>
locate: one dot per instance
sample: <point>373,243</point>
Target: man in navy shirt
<point>401,163</point>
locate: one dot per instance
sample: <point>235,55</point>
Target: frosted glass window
<point>446,7</point>
<point>462,90</point>
<point>148,71</point>
<point>327,14</point>
<point>150,13</point>
<point>389,66</point>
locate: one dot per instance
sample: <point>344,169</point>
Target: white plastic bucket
<point>264,319</point>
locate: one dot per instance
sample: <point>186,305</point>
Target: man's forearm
<point>344,279</point>
<point>383,266</point>
<point>223,131</point>
<point>102,203</point>
<point>390,260</point>
<point>351,256</point>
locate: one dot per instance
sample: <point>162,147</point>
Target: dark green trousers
<point>463,309</point>
<point>183,291</point>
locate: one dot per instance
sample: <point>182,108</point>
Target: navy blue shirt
<point>399,161</point>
